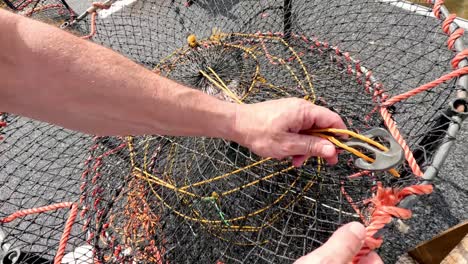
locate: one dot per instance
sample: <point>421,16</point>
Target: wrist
<point>230,130</point>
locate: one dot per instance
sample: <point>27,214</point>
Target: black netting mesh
<point>160,199</point>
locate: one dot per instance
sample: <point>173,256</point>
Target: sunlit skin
<point>53,76</point>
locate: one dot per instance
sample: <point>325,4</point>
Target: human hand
<point>272,129</point>
<point>342,246</point>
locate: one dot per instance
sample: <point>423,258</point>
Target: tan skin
<point>55,77</point>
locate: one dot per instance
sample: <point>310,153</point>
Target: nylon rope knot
<point>383,209</point>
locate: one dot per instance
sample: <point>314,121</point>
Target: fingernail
<point>358,229</point>
<point>328,150</point>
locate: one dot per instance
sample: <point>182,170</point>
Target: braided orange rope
<point>446,28</point>
<point>425,87</point>
<point>43,209</point>
<point>24,5</point>
<point>66,234</point>
<point>93,11</point>
<point>93,26</point>
<point>42,8</point>
<point>384,203</point>
<point>384,208</point>
<point>37,210</point>
<point>392,127</point>
<point>459,57</point>
<point>456,34</point>
<point>437,5</point>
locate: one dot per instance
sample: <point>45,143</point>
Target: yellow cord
<point>318,132</point>
<point>221,86</point>
<point>322,133</point>
<point>185,192</point>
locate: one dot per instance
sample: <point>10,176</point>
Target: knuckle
<point>287,148</point>
<point>336,116</point>
<point>312,148</point>
<point>304,105</point>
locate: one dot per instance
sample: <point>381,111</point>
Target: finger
<point>298,160</point>
<point>371,258</point>
<point>344,244</point>
<point>305,145</point>
<point>324,118</point>
<point>332,161</point>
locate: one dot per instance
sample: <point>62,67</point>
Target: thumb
<point>342,246</point>
<point>303,147</point>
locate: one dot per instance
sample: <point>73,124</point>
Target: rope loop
<point>437,6</point>
<point>454,37</point>
<point>458,58</point>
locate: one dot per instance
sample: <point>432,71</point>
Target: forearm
<point>55,77</point>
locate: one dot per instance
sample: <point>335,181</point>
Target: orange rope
<point>448,22</point>
<point>459,57</point>
<point>385,201</point>
<point>42,8</point>
<point>437,5</point>
<point>425,87</point>
<point>43,209</point>
<point>93,12</point>
<point>93,27</point>
<point>452,36</point>
<point>25,4</point>
<point>66,234</point>
<point>37,210</point>
<point>351,202</point>
<point>392,127</point>
<point>384,209</point>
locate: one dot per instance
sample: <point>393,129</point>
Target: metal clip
<point>384,160</point>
